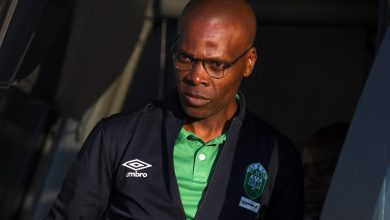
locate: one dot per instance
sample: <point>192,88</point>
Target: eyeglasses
<point>215,69</point>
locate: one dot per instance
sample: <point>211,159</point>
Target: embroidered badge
<point>255,180</point>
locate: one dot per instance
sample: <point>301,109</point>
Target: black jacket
<point>100,186</point>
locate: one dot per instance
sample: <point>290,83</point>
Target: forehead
<point>210,32</point>
<point>208,28</point>
<point>322,153</point>
<point>210,23</point>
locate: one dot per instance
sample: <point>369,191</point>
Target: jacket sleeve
<point>86,188</point>
<point>287,197</point>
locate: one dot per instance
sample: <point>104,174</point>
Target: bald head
<point>236,13</point>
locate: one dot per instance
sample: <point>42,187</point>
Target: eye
<point>217,66</point>
<point>182,57</point>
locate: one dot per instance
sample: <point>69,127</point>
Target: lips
<point>195,99</point>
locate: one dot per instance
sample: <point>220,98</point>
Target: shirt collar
<point>185,135</point>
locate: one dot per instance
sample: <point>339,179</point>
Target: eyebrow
<point>212,59</point>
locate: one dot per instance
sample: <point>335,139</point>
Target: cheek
<point>224,91</point>
<point>178,77</point>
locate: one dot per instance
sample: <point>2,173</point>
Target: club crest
<point>256,178</point>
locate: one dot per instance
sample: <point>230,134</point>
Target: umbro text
<point>136,174</point>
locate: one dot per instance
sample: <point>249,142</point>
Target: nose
<point>198,75</point>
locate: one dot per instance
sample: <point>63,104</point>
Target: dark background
<point>58,57</point>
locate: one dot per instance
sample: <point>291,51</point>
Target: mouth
<point>195,99</point>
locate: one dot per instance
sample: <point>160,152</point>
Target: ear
<point>250,62</point>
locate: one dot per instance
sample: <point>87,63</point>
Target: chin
<point>194,113</point>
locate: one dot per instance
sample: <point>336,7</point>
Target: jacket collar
<point>216,193</point>
<point>213,201</point>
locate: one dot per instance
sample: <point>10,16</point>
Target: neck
<point>211,127</point>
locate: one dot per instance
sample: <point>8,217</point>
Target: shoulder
<point>126,120</point>
<point>264,129</point>
<point>119,127</point>
<point>112,135</point>
<point>288,153</point>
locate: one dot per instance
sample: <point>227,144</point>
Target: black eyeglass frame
<point>194,60</point>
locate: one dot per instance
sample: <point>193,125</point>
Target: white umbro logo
<point>136,165</point>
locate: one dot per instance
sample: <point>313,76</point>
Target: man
<point>199,154</point>
<point>321,154</point>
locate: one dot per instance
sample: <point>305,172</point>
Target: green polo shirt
<point>194,161</point>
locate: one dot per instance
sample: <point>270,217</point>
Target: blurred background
<point>66,64</point>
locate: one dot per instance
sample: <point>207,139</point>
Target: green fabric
<point>194,161</point>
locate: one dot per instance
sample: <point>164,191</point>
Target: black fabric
<point>97,187</point>
<point>272,171</point>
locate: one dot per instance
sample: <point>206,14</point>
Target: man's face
<point>202,96</point>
